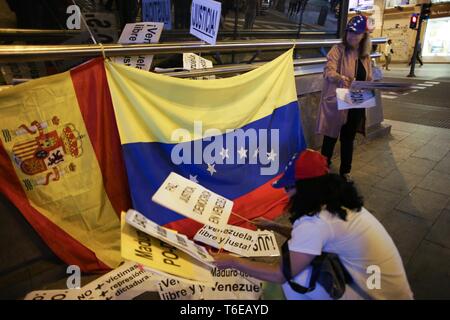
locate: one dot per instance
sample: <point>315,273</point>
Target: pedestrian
<point>388,52</point>
<point>346,62</point>
<point>250,14</point>
<point>418,54</point>
<point>333,236</point>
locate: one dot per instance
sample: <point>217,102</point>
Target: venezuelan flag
<point>61,164</point>
<point>234,136</point>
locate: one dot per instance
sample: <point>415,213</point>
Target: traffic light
<point>413,21</point>
<point>426,10</point>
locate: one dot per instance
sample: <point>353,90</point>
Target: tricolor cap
<point>308,164</point>
<point>358,24</point>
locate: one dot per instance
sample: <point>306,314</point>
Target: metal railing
<point>10,34</point>
<point>241,68</point>
<point>20,53</point>
<point>36,34</point>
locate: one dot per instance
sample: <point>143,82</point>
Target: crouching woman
<point>332,235</point>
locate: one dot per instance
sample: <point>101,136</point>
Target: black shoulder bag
<point>327,270</point>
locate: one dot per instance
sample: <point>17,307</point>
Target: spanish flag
<point>61,164</point>
<point>233,136</point>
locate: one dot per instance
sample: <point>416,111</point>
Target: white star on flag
<point>242,153</point>
<point>211,168</point>
<point>193,178</point>
<point>271,155</point>
<point>224,153</point>
<point>255,154</point>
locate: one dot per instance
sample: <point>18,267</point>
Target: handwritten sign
<point>123,283</point>
<point>193,201</point>
<point>347,99</point>
<point>160,257</point>
<point>180,241</point>
<point>205,19</point>
<point>244,242</point>
<point>145,32</point>
<point>192,61</point>
<point>265,245</point>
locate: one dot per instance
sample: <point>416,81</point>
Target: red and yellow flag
<point>61,164</point>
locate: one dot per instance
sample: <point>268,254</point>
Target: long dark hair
<point>364,46</point>
<point>331,190</point>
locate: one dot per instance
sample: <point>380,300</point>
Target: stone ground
<point>405,181</point>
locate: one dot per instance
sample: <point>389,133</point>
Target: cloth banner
<point>234,136</point>
<point>61,164</point>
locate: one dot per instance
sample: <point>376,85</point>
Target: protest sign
<point>143,32</point>
<point>192,61</point>
<point>265,245</point>
<point>123,283</point>
<point>157,11</point>
<point>232,238</point>
<point>180,241</point>
<point>160,257</point>
<point>193,201</point>
<point>347,99</point>
<point>244,242</point>
<point>205,20</point>
<point>228,284</point>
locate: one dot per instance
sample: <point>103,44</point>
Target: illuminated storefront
<point>436,43</point>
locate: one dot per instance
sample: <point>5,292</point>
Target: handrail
<point>240,68</point>
<point>11,34</point>
<point>19,53</point>
<point>257,33</point>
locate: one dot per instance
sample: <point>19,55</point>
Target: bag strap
<point>287,272</point>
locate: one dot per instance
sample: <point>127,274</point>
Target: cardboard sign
<point>193,201</point>
<point>192,61</point>
<point>244,242</point>
<point>180,241</point>
<point>265,245</point>
<point>347,99</point>
<point>160,257</point>
<point>144,32</point>
<point>123,283</point>
<point>233,239</point>
<point>205,20</point>
<point>228,284</point>
<point>158,11</point>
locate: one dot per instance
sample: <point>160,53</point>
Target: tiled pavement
<point>405,181</point>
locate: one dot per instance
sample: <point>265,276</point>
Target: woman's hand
<point>346,82</point>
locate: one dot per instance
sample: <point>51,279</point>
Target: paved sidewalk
<point>429,71</point>
<point>405,181</point>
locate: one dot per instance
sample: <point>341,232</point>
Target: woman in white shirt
<point>328,216</point>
